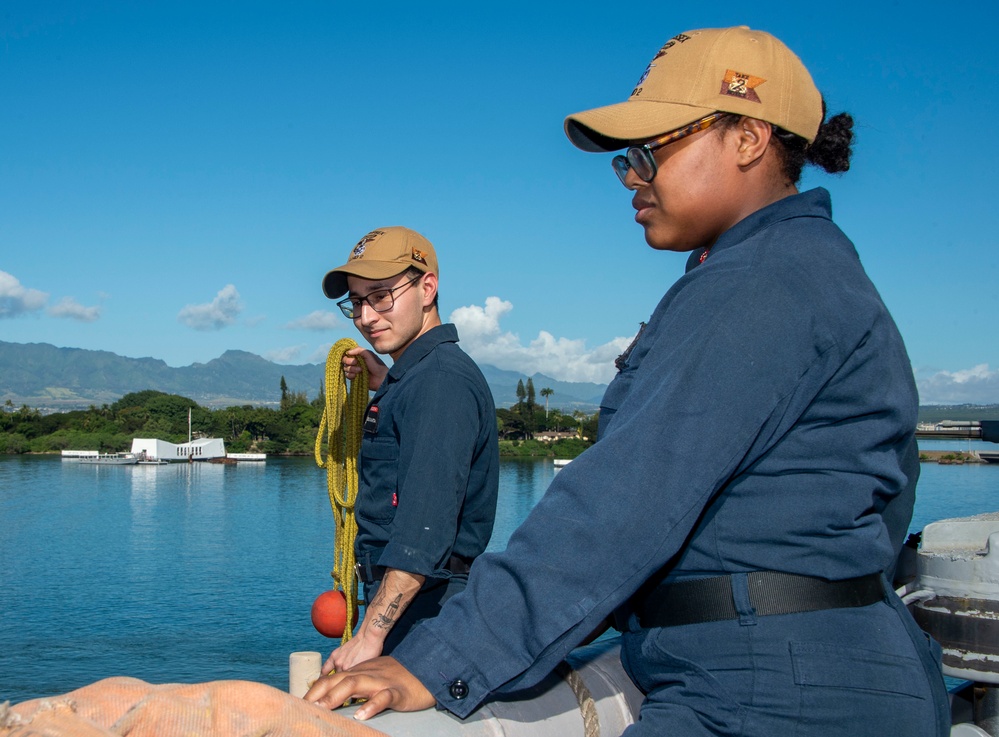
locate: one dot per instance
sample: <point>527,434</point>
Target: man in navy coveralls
<point>429,465</point>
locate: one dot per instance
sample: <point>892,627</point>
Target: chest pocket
<point>379,480</point>
<point>614,397</point>
<point>627,364</point>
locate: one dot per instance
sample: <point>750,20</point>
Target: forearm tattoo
<point>387,619</point>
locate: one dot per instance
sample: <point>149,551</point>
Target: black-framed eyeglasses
<point>640,158</point>
<point>380,300</point>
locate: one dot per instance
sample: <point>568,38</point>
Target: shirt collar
<point>813,203</point>
<point>419,348</point>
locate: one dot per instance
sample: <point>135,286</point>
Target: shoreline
<point>948,457</point>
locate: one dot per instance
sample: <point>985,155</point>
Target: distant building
<point>202,449</point>
<point>547,436</point>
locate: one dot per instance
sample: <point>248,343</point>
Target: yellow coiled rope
<point>342,427</point>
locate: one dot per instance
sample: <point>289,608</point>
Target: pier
<point>987,430</point>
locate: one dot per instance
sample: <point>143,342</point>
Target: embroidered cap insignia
<point>737,84</point>
<point>645,75</point>
<point>359,248</point>
<point>678,38</point>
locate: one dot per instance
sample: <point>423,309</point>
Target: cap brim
<point>335,281</point>
<point>622,124</point>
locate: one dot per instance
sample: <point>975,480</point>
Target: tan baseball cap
<point>733,70</point>
<point>380,254</point>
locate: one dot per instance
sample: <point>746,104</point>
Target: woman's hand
<point>384,682</point>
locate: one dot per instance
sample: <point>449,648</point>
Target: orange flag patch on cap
<point>741,85</point>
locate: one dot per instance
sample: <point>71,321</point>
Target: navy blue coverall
<point>429,472</point>
<point>764,420</point>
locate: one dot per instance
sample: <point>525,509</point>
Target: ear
<point>429,287</point>
<point>753,138</point>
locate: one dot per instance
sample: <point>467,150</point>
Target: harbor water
<point>198,572</point>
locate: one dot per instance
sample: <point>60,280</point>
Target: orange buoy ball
<point>329,613</point>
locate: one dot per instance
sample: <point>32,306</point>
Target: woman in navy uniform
<point>755,471</point>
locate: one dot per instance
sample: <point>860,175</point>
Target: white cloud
<point>318,320</point>
<point>320,354</point>
<point>561,358</point>
<point>73,310</point>
<point>481,321</point>
<point>976,385</point>
<point>285,355</point>
<point>217,314</point>
<point>16,299</point>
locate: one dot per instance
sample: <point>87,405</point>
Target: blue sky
<point>176,177</point>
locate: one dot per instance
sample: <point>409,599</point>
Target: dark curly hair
<point>831,149</point>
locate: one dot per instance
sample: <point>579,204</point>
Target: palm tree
<point>546,392</point>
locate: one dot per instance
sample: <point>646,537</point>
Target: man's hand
<point>377,370</point>
<point>350,654</point>
<point>382,681</point>
<point>396,591</point>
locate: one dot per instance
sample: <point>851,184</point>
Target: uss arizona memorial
<point>198,449</point>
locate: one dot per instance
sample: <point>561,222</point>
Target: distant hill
<point>940,412</point>
<point>51,378</point>
<point>568,395</point>
<point>42,375</point>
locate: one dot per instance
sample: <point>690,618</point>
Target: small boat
<point>76,455</point>
<point>559,462</point>
<point>111,459</point>
<point>256,457</point>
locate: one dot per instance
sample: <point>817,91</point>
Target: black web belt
<point>366,573</point>
<point>770,592</point>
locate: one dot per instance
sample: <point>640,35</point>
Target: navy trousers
<point>864,671</point>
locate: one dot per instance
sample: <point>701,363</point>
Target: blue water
<point>955,491</point>
<point>197,572</point>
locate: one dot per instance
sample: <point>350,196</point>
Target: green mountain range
<point>46,377</point>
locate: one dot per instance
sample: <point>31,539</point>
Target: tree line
<point>151,414</point>
<point>527,419</point>
<point>290,429</point>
